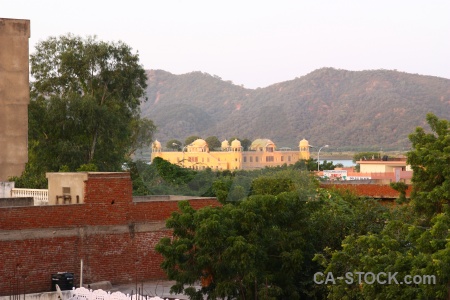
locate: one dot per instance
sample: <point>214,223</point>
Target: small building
<point>386,170</point>
<point>262,153</point>
<point>383,165</point>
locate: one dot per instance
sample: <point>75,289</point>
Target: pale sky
<point>256,43</point>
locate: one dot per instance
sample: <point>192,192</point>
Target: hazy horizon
<point>256,43</point>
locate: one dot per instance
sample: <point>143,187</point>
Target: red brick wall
<point>107,232</point>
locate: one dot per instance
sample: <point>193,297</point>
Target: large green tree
<point>262,246</point>
<point>430,161</point>
<point>85,104</point>
<point>414,244</point>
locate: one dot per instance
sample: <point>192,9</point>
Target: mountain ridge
<point>350,110</point>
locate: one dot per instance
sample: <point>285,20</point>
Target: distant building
<point>386,169</point>
<point>383,165</point>
<point>261,153</point>
<point>14,96</point>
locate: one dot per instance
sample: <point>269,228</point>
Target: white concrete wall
<point>5,189</point>
<point>74,180</point>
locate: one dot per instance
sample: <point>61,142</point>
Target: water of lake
<point>344,162</point>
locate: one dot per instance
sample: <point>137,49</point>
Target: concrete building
<point>261,153</point>
<point>14,96</point>
<point>386,170</point>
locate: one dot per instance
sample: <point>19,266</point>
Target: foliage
<point>271,186</point>
<point>213,142</point>
<point>33,176</point>
<point>246,143</point>
<point>85,104</point>
<point>309,164</point>
<point>365,156</point>
<point>173,173</point>
<point>400,187</point>
<point>262,246</point>
<point>87,168</point>
<point>326,165</point>
<point>174,144</point>
<point>400,248</point>
<point>429,161</point>
<point>415,240</point>
<point>142,130</point>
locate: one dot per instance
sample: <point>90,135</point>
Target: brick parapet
<point>113,235</point>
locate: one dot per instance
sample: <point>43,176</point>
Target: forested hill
<point>346,109</point>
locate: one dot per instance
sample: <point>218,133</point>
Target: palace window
<point>269,159</point>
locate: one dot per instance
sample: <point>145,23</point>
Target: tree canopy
<point>414,241</point>
<point>430,161</point>
<point>262,245</point>
<point>85,104</point>
<point>213,142</point>
<point>174,144</point>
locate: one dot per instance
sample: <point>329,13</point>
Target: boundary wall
<point>113,235</point>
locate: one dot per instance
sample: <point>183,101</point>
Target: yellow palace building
<point>261,153</point>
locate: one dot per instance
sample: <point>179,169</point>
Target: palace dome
<point>199,143</point>
<point>225,144</point>
<point>156,144</point>
<point>235,144</point>
<point>303,143</point>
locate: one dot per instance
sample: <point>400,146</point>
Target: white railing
<point>40,196</point>
<point>86,294</point>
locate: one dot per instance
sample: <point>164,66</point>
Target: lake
<point>344,162</point>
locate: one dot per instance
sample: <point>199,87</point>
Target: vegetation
<point>213,142</point>
<point>414,241</point>
<point>277,230</point>
<point>85,107</point>
<point>262,247</point>
<point>174,145</point>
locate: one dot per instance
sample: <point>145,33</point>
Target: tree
<point>85,104</point>
<point>174,145</point>
<point>309,164</point>
<point>246,143</point>
<point>429,161</point>
<point>365,156</point>
<point>414,240</point>
<point>190,139</point>
<point>326,165</point>
<point>142,130</point>
<point>213,142</point>
<point>262,247</point>
<point>400,249</point>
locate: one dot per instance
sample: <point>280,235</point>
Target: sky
<point>256,43</point>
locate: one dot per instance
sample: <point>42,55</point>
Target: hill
<point>349,110</point>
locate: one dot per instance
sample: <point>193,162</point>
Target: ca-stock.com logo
<point>372,278</point>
